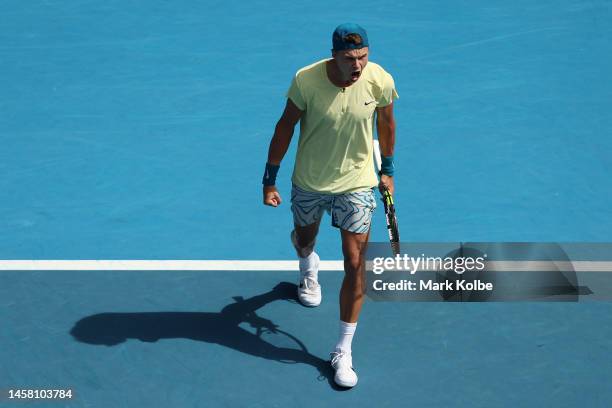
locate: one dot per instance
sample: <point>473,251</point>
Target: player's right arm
<point>279,146</point>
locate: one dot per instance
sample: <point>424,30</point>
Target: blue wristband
<point>387,166</point>
<point>269,178</point>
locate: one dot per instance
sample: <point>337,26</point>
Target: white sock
<point>347,330</point>
<point>309,267</point>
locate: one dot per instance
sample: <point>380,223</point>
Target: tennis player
<point>337,101</point>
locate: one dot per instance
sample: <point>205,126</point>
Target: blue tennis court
<point>139,131</point>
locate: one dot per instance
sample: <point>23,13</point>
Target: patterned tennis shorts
<point>349,211</point>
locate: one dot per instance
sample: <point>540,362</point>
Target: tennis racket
<point>387,200</point>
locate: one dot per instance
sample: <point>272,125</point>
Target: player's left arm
<point>385,126</point>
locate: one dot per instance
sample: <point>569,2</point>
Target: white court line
<point>263,265</point>
<point>159,265</point>
<point>543,266</point>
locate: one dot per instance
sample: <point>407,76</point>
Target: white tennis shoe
<point>342,363</point>
<point>309,290</point>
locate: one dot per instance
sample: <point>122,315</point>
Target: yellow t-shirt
<point>335,147</point>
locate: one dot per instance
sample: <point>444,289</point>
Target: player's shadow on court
<point>220,328</point>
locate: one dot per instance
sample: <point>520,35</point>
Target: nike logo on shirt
<point>367,103</point>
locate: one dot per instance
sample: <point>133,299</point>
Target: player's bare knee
<point>353,262</point>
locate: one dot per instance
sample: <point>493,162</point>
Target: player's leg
<point>352,213</point>
<point>307,209</point>
<point>351,300</point>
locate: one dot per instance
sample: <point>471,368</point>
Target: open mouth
<point>355,75</point>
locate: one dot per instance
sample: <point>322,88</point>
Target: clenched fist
<point>271,196</point>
